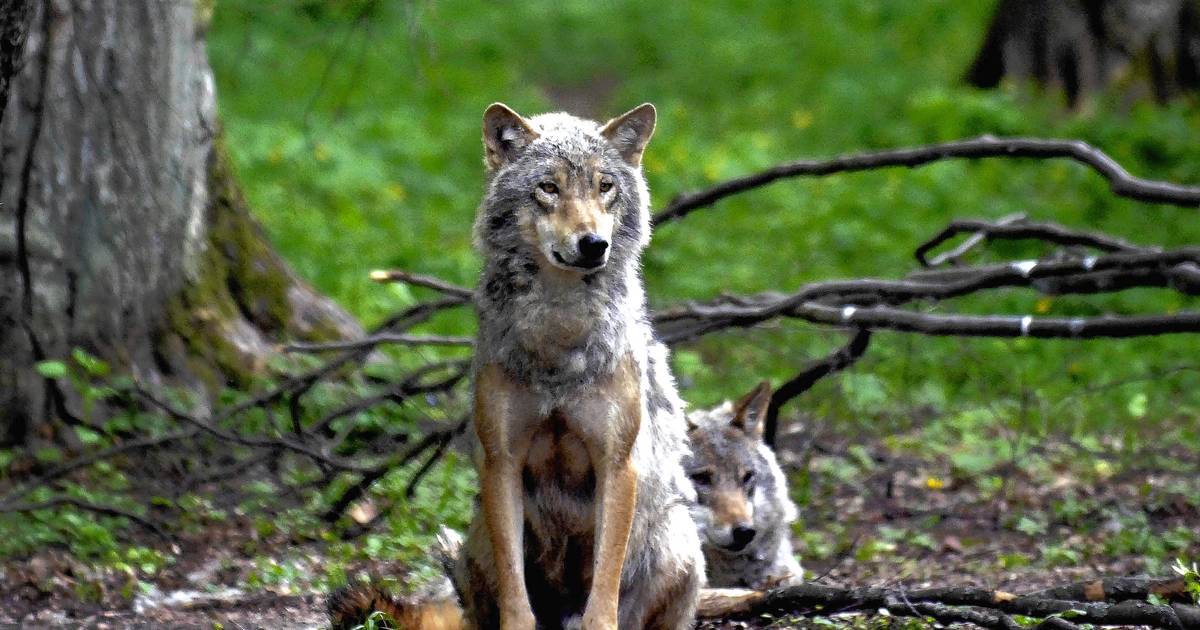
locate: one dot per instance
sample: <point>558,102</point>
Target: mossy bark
<point>243,300</point>
<point>122,228</point>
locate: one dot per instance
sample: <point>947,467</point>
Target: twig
<point>429,282</point>
<point>96,456</point>
<point>1014,227</point>
<point>372,474</point>
<point>107,510</point>
<point>444,440</point>
<point>382,338</point>
<point>955,255</point>
<point>814,371</point>
<point>1121,183</point>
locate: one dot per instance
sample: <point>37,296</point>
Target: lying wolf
<point>742,509</point>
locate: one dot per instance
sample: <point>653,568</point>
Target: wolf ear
<point>751,410</point>
<point>505,134</point>
<point>630,132</point>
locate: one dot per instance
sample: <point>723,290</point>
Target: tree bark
<point>14,23</point>
<point>1147,48</point>
<point>123,230</point>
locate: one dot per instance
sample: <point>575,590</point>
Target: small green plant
<point>1191,578</point>
<point>377,621</point>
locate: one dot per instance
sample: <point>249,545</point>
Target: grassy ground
<point>354,127</point>
<point>355,130</point>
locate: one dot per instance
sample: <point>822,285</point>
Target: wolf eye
<point>702,478</point>
<point>549,188</point>
<point>605,185</point>
<point>748,478</point>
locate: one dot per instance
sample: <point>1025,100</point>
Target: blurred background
<point>352,127</point>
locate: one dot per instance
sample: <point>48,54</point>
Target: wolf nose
<point>742,536</point>
<point>591,246</point>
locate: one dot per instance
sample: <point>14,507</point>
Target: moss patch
<point>225,324</point>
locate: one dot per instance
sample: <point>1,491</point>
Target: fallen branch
<point>1121,183</point>
<point>88,506</point>
<point>817,600</point>
<point>1016,228</point>
<point>380,339</point>
<point>420,280</point>
<point>837,361</point>
<point>1118,589</point>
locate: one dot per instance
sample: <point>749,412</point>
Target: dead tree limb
<point>814,371</point>
<point>817,599</point>
<point>1119,589</point>
<point>1016,228</point>
<point>421,280</point>
<point>1121,183</point>
<point>382,339</point>
<point>955,255</point>
<point>88,506</point>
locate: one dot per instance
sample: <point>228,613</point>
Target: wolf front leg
<point>611,456</point>
<point>503,444</point>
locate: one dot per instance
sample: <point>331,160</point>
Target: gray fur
<point>522,309</point>
<point>726,450</point>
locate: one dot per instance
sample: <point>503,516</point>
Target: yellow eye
<point>605,185</point>
<point>549,188</point>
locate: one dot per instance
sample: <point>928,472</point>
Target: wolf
<point>578,427</point>
<point>582,518</point>
<point>742,509</point>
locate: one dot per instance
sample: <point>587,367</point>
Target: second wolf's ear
<point>750,412</point>
<point>630,132</point>
<point>505,134</point>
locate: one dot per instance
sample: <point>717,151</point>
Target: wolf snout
<point>741,536</point>
<point>592,246</point>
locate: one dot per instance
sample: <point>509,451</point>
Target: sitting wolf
<point>742,509</point>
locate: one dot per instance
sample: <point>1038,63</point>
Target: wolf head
<point>568,191</point>
<point>741,492</point>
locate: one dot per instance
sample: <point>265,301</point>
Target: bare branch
<point>863,303</point>
<point>1001,325</point>
<point>416,279</point>
<point>1014,227</point>
<point>955,255</point>
<point>1121,183</point>
<point>382,338</point>
<point>814,371</point>
<point>818,599</point>
<point>106,510</point>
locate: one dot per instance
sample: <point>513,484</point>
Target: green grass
<point>354,126</point>
<point>355,131</point>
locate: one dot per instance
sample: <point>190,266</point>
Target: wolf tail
<point>353,606</point>
<point>350,607</point>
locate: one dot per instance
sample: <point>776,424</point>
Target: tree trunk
<point>122,229</point>
<point>14,23</point>
<point>1147,48</point>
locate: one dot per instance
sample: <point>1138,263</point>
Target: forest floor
<point>907,510</point>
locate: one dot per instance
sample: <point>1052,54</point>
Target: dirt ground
<point>873,515</point>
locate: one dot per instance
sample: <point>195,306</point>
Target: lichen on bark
<point>243,298</point>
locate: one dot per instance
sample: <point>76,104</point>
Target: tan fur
<point>351,606</point>
<point>500,490</point>
<point>554,448</point>
<point>618,494</point>
<point>730,508</point>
